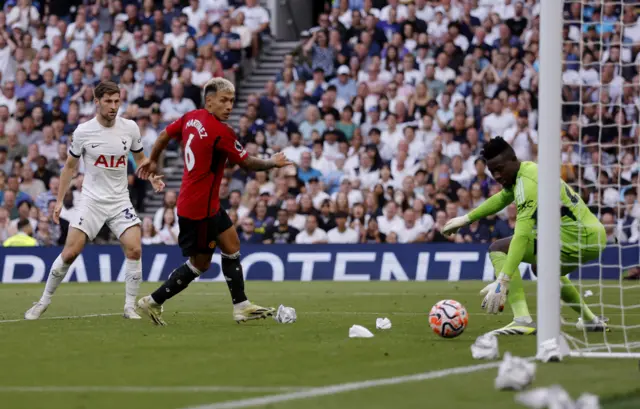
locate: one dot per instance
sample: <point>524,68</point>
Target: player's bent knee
<point>201,261</point>
<point>69,255</point>
<point>501,245</point>
<point>229,242</point>
<point>133,253</point>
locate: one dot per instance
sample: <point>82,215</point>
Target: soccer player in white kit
<point>103,143</point>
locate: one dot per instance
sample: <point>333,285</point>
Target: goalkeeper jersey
<point>577,220</point>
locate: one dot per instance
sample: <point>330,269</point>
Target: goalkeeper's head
<point>501,161</point>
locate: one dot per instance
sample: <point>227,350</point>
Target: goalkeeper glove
<point>452,226</point>
<point>496,294</point>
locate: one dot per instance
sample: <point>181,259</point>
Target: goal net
<point>600,103</point>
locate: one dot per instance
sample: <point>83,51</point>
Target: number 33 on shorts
<point>130,213</point>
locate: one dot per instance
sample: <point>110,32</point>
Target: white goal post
<point>550,106</point>
<point>610,294</point>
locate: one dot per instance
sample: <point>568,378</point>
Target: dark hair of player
<point>22,223</point>
<point>105,88</point>
<point>497,146</point>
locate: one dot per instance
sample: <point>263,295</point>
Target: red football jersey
<point>207,144</point>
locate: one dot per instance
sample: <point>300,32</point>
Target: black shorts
<point>201,236</point>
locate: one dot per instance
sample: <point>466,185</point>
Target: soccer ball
<point>448,318</point>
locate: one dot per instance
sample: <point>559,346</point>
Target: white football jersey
<point>105,153</point>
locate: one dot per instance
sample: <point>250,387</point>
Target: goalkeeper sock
<point>232,270</point>
<point>59,269</point>
<point>570,295</point>
<point>515,295</point>
<point>133,277</point>
<point>180,279</point>
<point>517,300</point>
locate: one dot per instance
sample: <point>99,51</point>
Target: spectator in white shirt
<point>215,9</point>
<point>149,233</point>
<point>177,37</point>
<point>389,221</point>
<point>24,14</point>
<point>256,18</point>
<point>176,106</point>
<point>296,149</point>
<point>170,228</point>
<point>80,36</point>
<point>400,9</point>
<point>8,97</point>
<point>365,173</point>
<point>496,123</point>
<point>342,233</point>
<point>319,160</point>
<point>48,147</point>
<point>450,147</point>
<point>200,74</point>
<point>522,138</point>
<point>459,173</point>
<point>468,160</point>
<point>195,13</point>
<point>295,219</point>
<point>393,134</point>
<point>417,148</point>
<point>312,234</point>
<point>444,73</point>
<point>121,38</point>
<point>410,231</point>
<point>170,200</point>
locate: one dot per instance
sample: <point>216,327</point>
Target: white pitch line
<point>389,313</point>
<point>147,389</point>
<point>207,294</point>
<point>68,317</point>
<point>344,387</point>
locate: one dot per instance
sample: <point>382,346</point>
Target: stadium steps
<point>266,68</point>
<point>172,179</point>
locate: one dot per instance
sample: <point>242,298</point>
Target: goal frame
<point>549,148</point>
<point>549,162</point>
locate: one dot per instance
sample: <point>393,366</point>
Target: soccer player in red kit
<point>208,144</point>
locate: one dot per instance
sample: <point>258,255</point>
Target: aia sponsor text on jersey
<point>110,161</point>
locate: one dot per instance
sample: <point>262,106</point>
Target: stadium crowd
<point>384,107</point>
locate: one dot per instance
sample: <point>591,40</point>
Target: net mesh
<point>601,102</point>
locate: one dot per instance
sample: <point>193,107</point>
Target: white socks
<point>56,275</point>
<point>133,277</point>
<point>243,304</point>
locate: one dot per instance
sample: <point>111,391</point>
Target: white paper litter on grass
<point>358,331</point>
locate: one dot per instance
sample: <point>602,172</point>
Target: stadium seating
<point>384,111</point>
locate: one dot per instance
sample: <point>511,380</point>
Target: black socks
<point>180,279</point>
<point>232,271</point>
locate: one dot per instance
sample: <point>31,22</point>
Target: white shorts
<point>89,216</point>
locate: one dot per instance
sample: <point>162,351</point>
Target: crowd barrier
<point>357,262</point>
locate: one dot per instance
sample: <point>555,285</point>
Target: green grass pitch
<point>203,357</point>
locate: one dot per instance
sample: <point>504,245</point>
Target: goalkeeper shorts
<point>578,249</point>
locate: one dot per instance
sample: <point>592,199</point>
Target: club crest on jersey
<point>110,161</point>
<point>194,123</point>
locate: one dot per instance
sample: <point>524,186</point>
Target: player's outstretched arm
<point>279,160</point>
<point>492,205</point>
<point>68,170</point>
<point>155,180</point>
